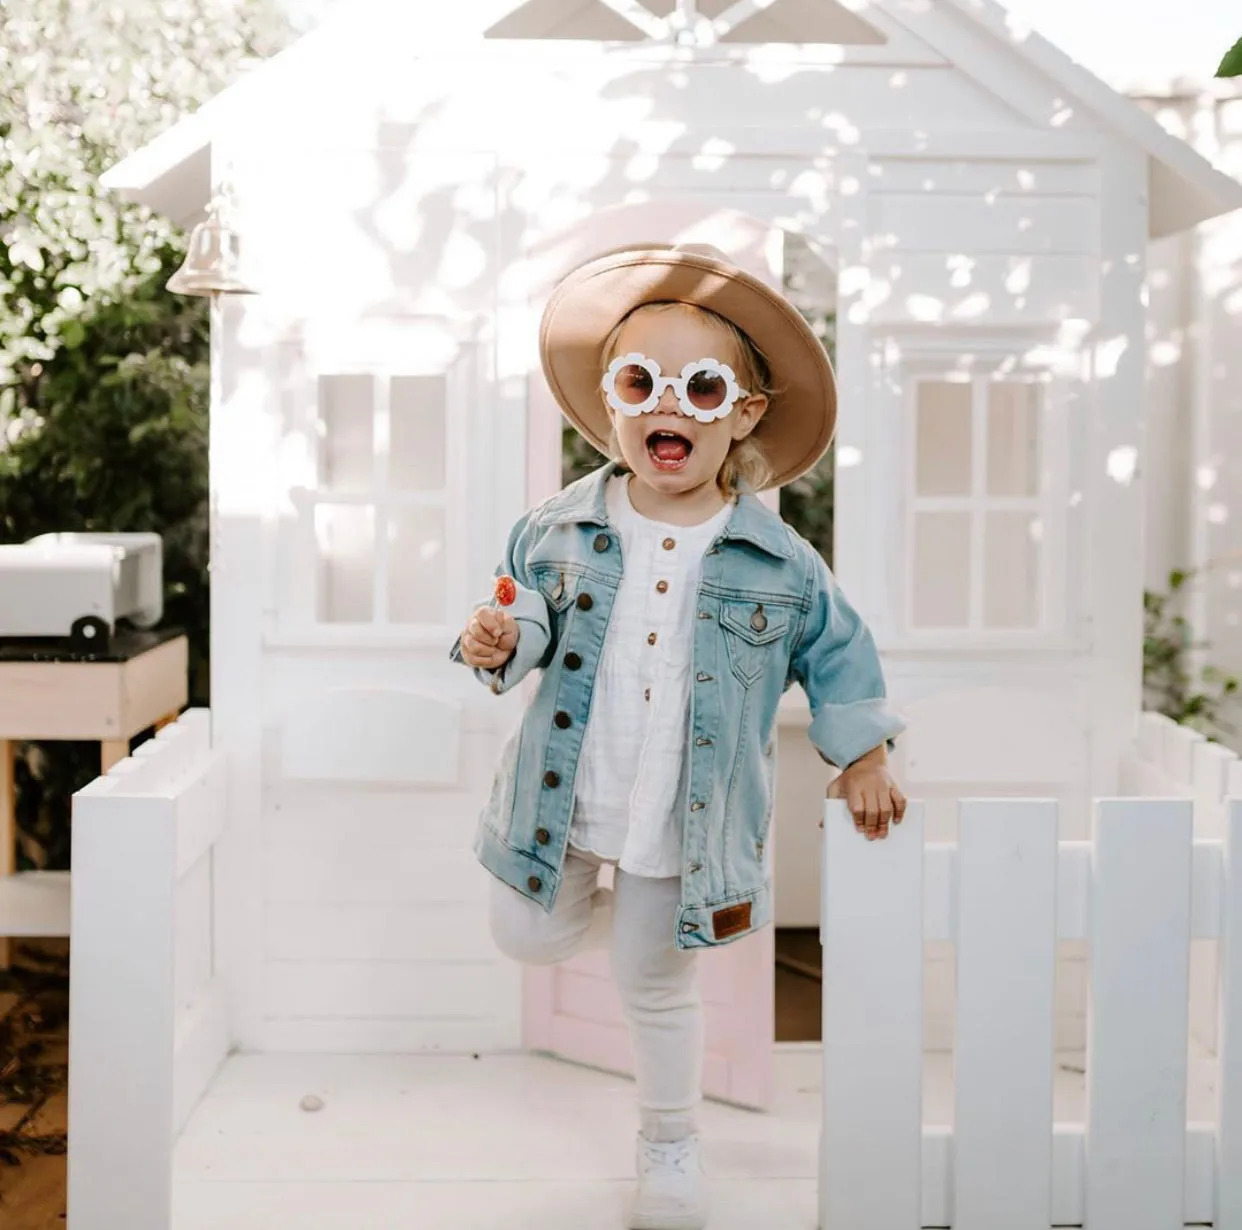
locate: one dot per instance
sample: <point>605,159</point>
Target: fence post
<point>1229,1052</point>
<point>871,1148</point>
<point>121,1034</point>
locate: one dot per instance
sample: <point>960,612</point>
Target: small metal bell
<point>212,265</point>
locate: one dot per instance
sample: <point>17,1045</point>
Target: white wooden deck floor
<point>512,1142</point>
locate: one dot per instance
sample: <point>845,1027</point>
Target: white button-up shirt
<point>631,785</point>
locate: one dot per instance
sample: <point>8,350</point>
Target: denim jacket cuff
<point>845,733</point>
<point>529,610</point>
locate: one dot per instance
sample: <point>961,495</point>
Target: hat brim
<point>797,427</point>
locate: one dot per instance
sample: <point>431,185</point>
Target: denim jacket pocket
<point>556,586</point>
<point>753,635</point>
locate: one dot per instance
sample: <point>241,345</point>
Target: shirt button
<point>562,719</point>
<point>651,638</point>
<point>585,602</point>
<point>572,662</point>
<point>703,678</point>
<point>647,694</point>
<point>551,780</point>
<point>601,542</point>
<point>534,884</point>
<point>669,544</point>
<point>542,836</point>
<point>696,805</point>
<point>661,587</point>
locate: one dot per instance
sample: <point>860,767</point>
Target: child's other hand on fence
<point>873,797</point>
<point>490,638</point>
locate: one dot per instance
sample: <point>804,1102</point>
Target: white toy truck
<point>76,587</point>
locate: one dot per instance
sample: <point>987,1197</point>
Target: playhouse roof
<point>172,173</point>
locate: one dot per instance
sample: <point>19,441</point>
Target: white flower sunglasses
<point>706,389</point>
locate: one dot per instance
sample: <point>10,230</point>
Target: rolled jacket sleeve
<point>530,611</point>
<point>838,666</point>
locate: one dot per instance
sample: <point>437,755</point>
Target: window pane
<point>1013,438</point>
<point>345,535</point>
<point>943,435</point>
<point>1011,566</point>
<point>417,589</point>
<point>346,448</point>
<point>417,458</point>
<point>942,570</point>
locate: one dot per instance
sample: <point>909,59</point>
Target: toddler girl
<point>668,610</point>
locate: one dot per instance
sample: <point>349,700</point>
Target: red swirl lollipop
<point>506,591</point>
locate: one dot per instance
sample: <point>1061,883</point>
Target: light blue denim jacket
<point>769,615</point>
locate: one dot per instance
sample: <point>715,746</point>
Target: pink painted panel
<point>573,1010</point>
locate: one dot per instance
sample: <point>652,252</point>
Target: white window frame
<point>376,349</point>
<point>992,360</point>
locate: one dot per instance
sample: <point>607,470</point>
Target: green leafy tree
<point>1231,65</point>
<point>1170,684</point>
<point>103,373</point>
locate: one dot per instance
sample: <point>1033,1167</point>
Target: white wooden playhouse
<point>290,876</point>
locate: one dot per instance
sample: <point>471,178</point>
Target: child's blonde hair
<point>746,468</point>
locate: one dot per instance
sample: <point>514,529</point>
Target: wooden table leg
<point>111,752</point>
<point>8,830</point>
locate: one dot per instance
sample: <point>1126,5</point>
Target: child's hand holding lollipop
<point>491,636</point>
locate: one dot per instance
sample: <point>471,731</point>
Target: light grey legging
<point>657,982</point>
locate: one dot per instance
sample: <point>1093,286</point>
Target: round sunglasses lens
<point>706,390</point>
<point>633,384</point>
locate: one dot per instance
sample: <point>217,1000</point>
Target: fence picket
<point>1229,1056</point>
<point>1137,1020</point>
<point>1006,978</point>
<point>872,933</point>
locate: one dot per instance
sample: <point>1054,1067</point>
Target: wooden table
<point>49,693</point>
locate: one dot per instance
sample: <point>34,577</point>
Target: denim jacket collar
<point>583,503</point>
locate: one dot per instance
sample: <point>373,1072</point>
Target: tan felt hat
<point>587,304</point>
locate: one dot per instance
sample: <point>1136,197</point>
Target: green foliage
<point>103,373</point>
<point>1168,683</point>
<point>1231,65</point>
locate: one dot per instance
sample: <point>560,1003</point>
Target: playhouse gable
<point>1006,77</point>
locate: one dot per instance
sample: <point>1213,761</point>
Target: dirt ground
<point>34,1059</point>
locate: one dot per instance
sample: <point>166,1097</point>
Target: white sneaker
<point>671,1194</point>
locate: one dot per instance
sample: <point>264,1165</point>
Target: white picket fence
<point>1160,878</point>
<point>1005,894</point>
<point>147,1029</point>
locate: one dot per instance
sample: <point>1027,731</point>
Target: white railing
<point>1172,761</point>
<point>1004,895</point>
<point>147,1022</point>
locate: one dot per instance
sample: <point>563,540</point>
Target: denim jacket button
<point>542,836</point>
<point>534,884</point>
<point>601,542</point>
<point>759,620</point>
<point>572,662</point>
<point>585,602</point>
<point>551,779</point>
<point>697,805</point>
<point>562,719</point>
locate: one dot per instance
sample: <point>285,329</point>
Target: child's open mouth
<point>668,450</point>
